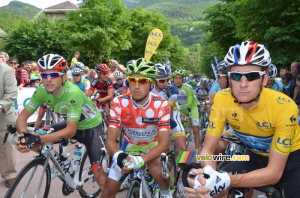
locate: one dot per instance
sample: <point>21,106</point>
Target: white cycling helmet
<point>273,71</point>
<point>52,61</point>
<point>79,65</point>
<point>118,75</point>
<point>248,53</point>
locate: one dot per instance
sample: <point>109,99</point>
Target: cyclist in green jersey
<point>83,120</point>
<point>187,100</point>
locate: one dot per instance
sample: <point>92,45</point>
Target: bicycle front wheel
<point>27,182</point>
<point>134,190</point>
<point>90,187</point>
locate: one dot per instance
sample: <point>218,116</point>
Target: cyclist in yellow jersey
<point>263,119</point>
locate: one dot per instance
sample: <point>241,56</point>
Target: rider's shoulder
<point>94,82</point>
<point>276,97</point>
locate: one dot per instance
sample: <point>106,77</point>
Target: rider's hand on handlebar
<point>133,162</point>
<point>29,140</point>
<point>207,178</point>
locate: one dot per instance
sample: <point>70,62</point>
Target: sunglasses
<point>221,75</point>
<point>52,75</point>
<point>13,63</point>
<point>76,75</point>
<point>250,76</point>
<point>104,73</point>
<point>119,79</point>
<point>142,81</point>
<point>163,80</point>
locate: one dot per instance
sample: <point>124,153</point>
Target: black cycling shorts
<point>290,177</point>
<point>91,138</point>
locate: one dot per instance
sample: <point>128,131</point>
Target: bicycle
<point>35,178</point>
<point>142,183</point>
<point>187,124</point>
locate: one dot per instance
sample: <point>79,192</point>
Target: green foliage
<point>272,23</point>
<point>33,39</point>
<point>97,29</point>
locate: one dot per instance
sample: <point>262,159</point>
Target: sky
<point>39,3</point>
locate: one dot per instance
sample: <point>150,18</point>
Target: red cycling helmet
<point>101,68</point>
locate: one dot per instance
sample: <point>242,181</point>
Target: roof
<point>2,33</point>
<point>64,6</point>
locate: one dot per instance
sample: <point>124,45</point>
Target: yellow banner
<point>153,42</point>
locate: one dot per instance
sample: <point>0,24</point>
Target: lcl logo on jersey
<point>282,100</point>
<point>211,125</point>
<point>283,145</point>
<point>264,126</point>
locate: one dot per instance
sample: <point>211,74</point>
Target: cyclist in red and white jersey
<point>103,86</point>
<point>145,118</point>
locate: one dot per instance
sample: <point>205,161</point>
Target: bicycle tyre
<point>185,171</point>
<point>172,167</point>
<point>15,187</point>
<point>134,190</point>
<point>94,185</point>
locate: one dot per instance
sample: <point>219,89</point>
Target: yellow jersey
<point>271,124</point>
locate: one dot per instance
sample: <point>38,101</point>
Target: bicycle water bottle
<point>76,160</point>
<point>66,164</point>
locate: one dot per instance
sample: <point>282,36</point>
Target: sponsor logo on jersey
<point>68,90</point>
<point>234,116</point>
<point>293,119</point>
<point>72,116</point>
<point>211,125</point>
<point>235,127</point>
<point>91,113</point>
<point>264,126</point>
<point>149,120</point>
<point>72,102</point>
<point>283,144</point>
<point>282,100</point>
<point>31,105</point>
<point>64,106</point>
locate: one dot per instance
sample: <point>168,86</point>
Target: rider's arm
<point>209,146</point>
<point>21,122</point>
<point>114,126</point>
<point>110,142</point>
<point>90,91</point>
<point>110,95</point>
<point>87,86</point>
<point>190,96</point>
<point>68,132</point>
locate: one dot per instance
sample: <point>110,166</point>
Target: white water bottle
<point>76,160</point>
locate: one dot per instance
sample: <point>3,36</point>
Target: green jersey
<point>71,102</point>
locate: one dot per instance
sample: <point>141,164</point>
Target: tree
<point>272,23</point>
<point>33,39</point>
<point>97,29</point>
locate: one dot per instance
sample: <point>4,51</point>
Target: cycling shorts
<point>177,129</point>
<point>91,138</point>
<point>132,149</point>
<point>290,177</point>
<point>194,114</point>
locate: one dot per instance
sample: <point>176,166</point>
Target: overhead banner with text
<point>153,41</point>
